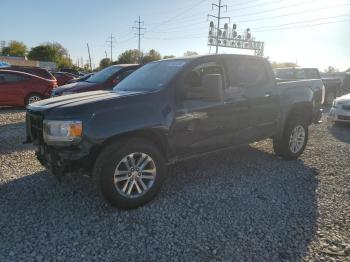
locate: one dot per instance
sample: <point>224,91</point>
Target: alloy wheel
<point>297,139</point>
<point>135,175</point>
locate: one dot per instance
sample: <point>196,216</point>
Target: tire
<point>114,178</point>
<point>283,147</point>
<point>31,98</point>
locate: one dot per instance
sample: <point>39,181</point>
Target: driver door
<point>200,123</point>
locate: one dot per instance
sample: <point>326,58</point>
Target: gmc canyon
<point>168,111</point>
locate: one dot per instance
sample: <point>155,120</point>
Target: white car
<point>340,111</point>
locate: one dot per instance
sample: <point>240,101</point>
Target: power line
<point>275,9</point>
<point>139,28</point>
<point>110,42</point>
<point>291,14</point>
<point>301,22</point>
<point>302,26</point>
<point>218,18</point>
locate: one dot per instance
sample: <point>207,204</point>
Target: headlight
<point>62,131</point>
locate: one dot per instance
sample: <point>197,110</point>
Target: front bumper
<point>339,115</point>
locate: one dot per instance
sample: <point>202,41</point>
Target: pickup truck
<point>331,85</point>
<point>168,111</point>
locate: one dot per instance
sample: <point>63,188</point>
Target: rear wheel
<point>129,174</point>
<point>32,98</point>
<point>293,141</point>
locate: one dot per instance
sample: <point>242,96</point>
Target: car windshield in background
<point>103,75</point>
<point>151,77</point>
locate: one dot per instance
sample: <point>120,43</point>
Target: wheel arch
<point>155,136</point>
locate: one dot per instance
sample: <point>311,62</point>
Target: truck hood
<point>79,101</point>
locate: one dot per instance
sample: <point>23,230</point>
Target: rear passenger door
<point>256,85</point>
<point>11,88</point>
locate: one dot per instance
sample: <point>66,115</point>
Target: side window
<point>248,73</point>
<point>124,74</point>
<point>2,78</point>
<point>193,88</point>
<point>10,78</point>
<point>300,74</point>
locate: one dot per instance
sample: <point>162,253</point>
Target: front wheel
<point>129,174</point>
<point>32,98</point>
<point>293,141</point>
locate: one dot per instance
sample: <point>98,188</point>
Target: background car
<point>340,111</point>
<point>20,89</point>
<point>332,85</point>
<point>105,79</point>
<point>63,77</point>
<point>80,79</point>
<point>72,71</point>
<point>33,70</point>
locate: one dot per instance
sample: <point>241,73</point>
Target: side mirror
<point>213,87</point>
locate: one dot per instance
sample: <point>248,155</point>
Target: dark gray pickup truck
<point>169,111</point>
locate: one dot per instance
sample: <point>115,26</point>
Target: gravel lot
<point>244,205</point>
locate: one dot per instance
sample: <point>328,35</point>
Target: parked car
<point>105,79</point>
<point>80,79</point>
<point>332,85</point>
<point>345,87</point>
<point>168,111</point>
<point>72,71</point>
<point>33,70</point>
<point>340,111</point>
<point>20,89</point>
<point>63,77</point>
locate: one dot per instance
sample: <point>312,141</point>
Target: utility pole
<point>110,42</point>
<point>106,54</point>
<point>139,28</point>
<point>218,18</point>
<point>89,56</point>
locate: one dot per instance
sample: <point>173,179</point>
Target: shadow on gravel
<point>241,205</point>
<point>12,137</point>
<point>5,109</point>
<point>341,131</point>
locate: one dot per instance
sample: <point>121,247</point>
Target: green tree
<point>168,56</point>
<point>190,53</point>
<point>152,55</point>
<point>129,57</point>
<point>15,48</point>
<point>105,62</point>
<point>51,52</point>
<point>283,65</point>
<point>331,69</point>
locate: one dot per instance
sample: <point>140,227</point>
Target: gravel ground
<point>244,205</point>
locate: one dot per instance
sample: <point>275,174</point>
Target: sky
<point>312,33</point>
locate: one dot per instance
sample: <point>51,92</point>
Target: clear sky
<point>313,33</point>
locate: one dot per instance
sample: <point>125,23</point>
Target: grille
<point>344,117</point>
<point>35,127</point>
<point>346,107</point>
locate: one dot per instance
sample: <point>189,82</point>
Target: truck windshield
<point>151,77</point>
<point>103,75</point>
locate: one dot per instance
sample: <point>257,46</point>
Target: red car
<point>63,77</point>
<point>20,89</point>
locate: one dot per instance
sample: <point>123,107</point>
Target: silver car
<point>340,111</point>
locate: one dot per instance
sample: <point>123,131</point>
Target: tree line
<point>55,52</point>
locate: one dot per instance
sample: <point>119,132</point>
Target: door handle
<point>267,95</point>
